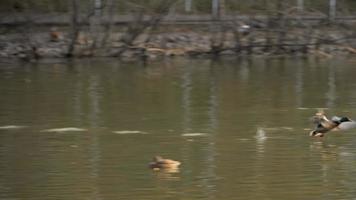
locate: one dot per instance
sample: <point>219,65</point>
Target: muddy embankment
<point>217,39</point>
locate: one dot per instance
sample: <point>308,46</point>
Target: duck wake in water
<point>66,129</point>
<point>11,127</point>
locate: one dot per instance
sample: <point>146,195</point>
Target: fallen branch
<point>322,53</point>
<point>350,49</point>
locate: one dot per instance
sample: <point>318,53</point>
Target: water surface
<point>87,129</point>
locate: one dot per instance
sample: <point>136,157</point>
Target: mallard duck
<point>162,163</point>
<point>344,123</point>
<point>324,125</point>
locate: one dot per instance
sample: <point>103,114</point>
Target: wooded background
<point>346,7</point>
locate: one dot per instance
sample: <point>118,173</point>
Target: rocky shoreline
<point>182,42</point>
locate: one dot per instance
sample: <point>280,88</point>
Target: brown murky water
<point>87,129</point>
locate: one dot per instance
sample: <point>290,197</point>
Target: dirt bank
<point>234,41</point>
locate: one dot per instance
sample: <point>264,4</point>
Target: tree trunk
<point>281,25</point>
<point>221,8</point>
<point>215,9</point>
<point>332,10</point>
<point>74,27</point>
<point>188,6</point>
<point>300,5</point>
<point>107,26</point>
<point>95,26</point>
<point>97,7</point>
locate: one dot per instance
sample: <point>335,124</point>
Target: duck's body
<point>162,163</point>
<point>325,125</point>
<point>319,131</point>
<point>344,123</point>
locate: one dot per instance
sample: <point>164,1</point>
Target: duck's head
<point>157,158</point>
<point>155,164</point>
<point>339,120</point>
<point>345,119</point>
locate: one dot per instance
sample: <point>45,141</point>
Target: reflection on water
<point>7,127</point>
<point>86,129</point>
<point>129,132</point>
<point>194,134</point>
<point>66,129</point>
<point>331,93</point>
<point>168,174</point>
<point>336,170</point>
<point>260,139</point>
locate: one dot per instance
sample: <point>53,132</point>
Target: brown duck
<point>162,163</point>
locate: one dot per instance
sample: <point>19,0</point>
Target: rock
<point>182,38</point>
<point>152,56</point>
<point>171,38</point>
<point>170,45</point>
<point>228,52</point>
<point>19,49</point>
<point>3,54</point>
<point>129,53</point>
<point>22,56</point>
<point>47,52</point>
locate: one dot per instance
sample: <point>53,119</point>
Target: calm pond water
<point>87,129</point>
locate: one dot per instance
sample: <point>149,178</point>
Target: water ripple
<point>7,127</point>
<point>66,129</point>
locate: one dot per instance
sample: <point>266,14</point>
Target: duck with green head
<point>324,125</point>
